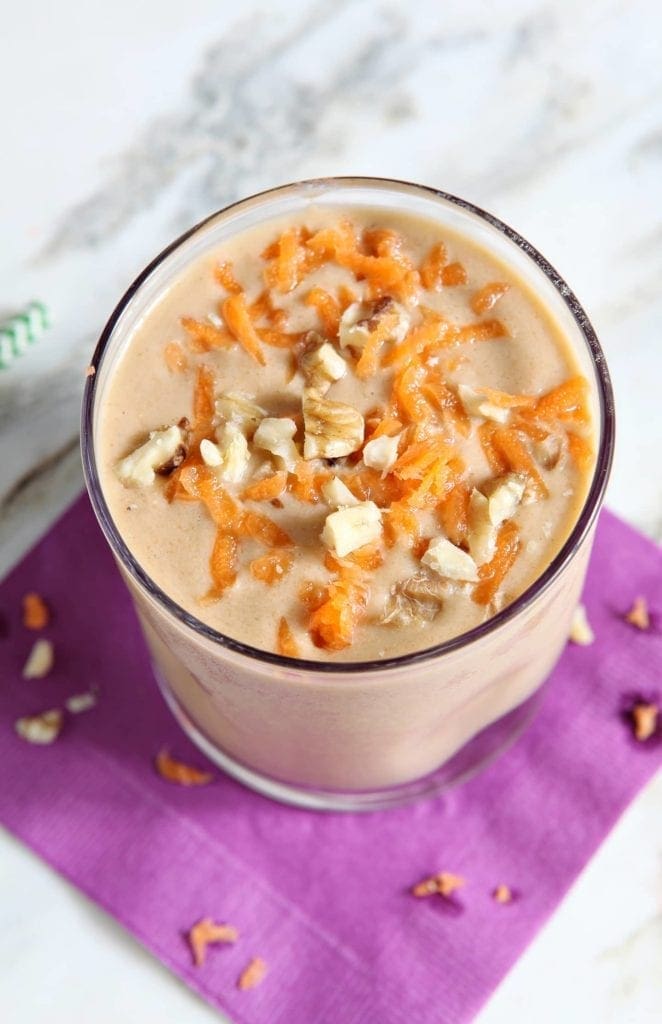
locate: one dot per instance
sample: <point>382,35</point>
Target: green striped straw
<point>18,332</point>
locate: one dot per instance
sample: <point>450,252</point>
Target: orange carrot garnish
<point>273,566</point>
<point>440,395</point>
<point>509,445</point>
<point>283,272</point>
<point>432,267</point>
<point>493,573</point>
<point>206,932</point>
<point>424,339</point>
<point>35,611</point>
<point>312,595</point>
<point>175,357</point>
<point>264,530</point>
<point>285,642</point>
<point>453,274</point>
<point>367,558</point>
<point>567,402</point>
<point>179,773</point>
<point>267,489</point>
<point>332,625</point>
<point>495,459</point>
<point>204,336</point>
<point>505,400</point>
<point>203,404</point>
<point>224,274</point>
<point>327,308</point>
<point>401,523</point>
<point>305,484</point>
<point>346,297</point>
<point>252,975</point>
<point>222,564</point>
<point>580,450</point>
<point>484,330</point>
<point>488,296</point>
<point>453,513</point>
<point>236,316</point>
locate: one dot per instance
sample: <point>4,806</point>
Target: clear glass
<point>358,735</point>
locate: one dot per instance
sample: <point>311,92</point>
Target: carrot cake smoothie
<point>346,438</point>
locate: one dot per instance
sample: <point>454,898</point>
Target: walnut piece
<point>332,429</point>
<point>276,435</point>
<point>444,884</point>
<point>236,407</point>
<point>644,720</point>
<point>40,660</point>
<point>417,599</point>
<point>350,528</point>
<point>360,320</point>
<point>139,469</point>
<point>40,729</point>
<point>320,364</point>
<point>638,616</point>
<point>449,561</point>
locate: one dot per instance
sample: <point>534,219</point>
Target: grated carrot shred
<point>567,402</point>
<point>262,529</point>
<point>493,573</point>
<point>453,274</point>
<point>368,361</point>
<point>368,558</point>
<point>484,330</point>
<point>432,267</point>
<point>224,274</point>
<point>510,446</point>
<point>580,451</point>
<point>271,568</point>
<point>179,772</point>
<point>327,308</point>
<point>411,404</point>
<point>440,395</point>
<point>204,336</point>
<point>267,489</point>
<point>283,271</point>
<point>332,625</point>
<point>305,484</point>
<point>369,485</point>
<point>346,297</point>
<point>487,297</point>
<point>424,339</point>
<point>401,523</point>
<point>175,357</point>
<point>222,564</point>
<point>236,316</point>
<point>36,614</point>
<point>453,514</point>
<point>312,595</point>
<point>285,642</point>
<point>505,400</point>
<point>495,459</point>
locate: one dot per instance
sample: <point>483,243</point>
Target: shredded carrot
<point>424,339</point>
<point>432,267</point>
<point>206,932</point>
<point>440,395</point>
<point>200,482</point>
<point>312,595</point>
<point>420,457</point>
<point>505,400</point>
<point>510,446</point>
<point>346,297</point>
<point>278,339</point>
<point>175,357</point>
<point>271,568</point>
<point>267,489</point>
<point>401,523</point>
<point>411,403</point>
<point>386,426</point>
<point>236,316</point>
<point>495,459</point>
<point>385,275</point>
<point>285,642</point>
<point>487,297</point>
<point>387,320</point>
<point>484,330</point>
<point>178,772</point>
<point>566,402</point>
<point>580,450</point>
<point>36,614</point>
<point>382,241</point>
<point>203,404</point>
<point>222,564</point>
<point>327,308</point>
<point>283,272</point>
<point>333,624</point>
<point>493,573</point>
<point>453,514</point>
<point>368,557</point>
<point>453,274</point>
<point>369,485</point>
<point>305,484</point>
<point>204,336</point>
<point>224,274</point>
<point>262,529</point>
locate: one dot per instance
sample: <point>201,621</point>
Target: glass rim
<point>540,585</point>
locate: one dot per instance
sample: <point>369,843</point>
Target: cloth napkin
<point>324,900</point>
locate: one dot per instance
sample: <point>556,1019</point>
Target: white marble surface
<point>125,123</point>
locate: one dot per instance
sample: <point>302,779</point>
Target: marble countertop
<point>127,123</point>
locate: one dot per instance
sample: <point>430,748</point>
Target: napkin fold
<point>323,899</point>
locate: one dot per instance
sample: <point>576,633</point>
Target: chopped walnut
<point>450,561</point>
<point>580,628</point>
<point>644,720</point>
<point>332,429</point>
<point>417,599</point>
<point>320,364</point>
<point>40,660</point>
<point>40,729</point>
<point>638,616</point>
<point>236,407</point>
<point>359,321</point>
<point>156,455</point>
<point>79,702</point>
<point>443,884</point>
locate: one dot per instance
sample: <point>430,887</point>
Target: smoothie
<point>346,436</point>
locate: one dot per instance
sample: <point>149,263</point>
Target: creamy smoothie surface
<point>346,438</point>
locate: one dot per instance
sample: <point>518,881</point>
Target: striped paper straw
<point>18,332</point>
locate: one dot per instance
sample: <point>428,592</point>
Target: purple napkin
<point>322,899</point>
